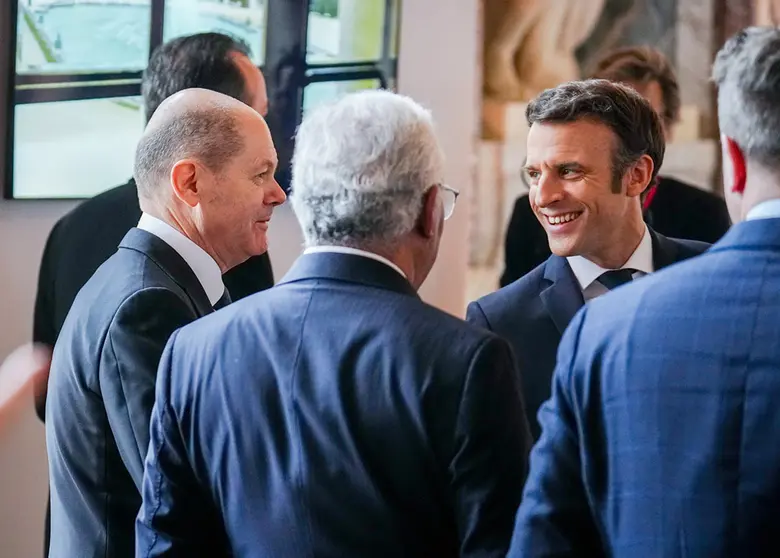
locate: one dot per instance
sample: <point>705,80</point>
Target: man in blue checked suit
<point>337,414</point>
<point>662,436</point>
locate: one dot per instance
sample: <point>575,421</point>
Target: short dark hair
<point>637,127</point>
<point>209,135</point>
<point>644,65</point>
<point>196,61</point>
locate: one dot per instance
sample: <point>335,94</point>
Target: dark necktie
<point>616,277</point>
<point>223,301</point>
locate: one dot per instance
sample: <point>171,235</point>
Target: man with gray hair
<point>662,436</point>
<point>337,414</point>
<point>204,169</point>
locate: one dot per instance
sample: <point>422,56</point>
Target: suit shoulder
<point>690,248</point>
<point>523,289</point>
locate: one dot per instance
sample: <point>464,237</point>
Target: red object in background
<point>652,190</point>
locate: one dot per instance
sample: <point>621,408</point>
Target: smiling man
<point>593,148</point>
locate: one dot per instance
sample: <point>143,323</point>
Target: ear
<point>737,164</point>
<point>428,221</point>
<point>639,176</point>
<point>185,175</point>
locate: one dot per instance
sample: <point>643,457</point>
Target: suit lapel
<point>563,297</point>
<point>172,264</point>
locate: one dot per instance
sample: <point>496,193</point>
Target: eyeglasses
<point>448,197</point>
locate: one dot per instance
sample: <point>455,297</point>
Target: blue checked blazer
<point>662,436</point>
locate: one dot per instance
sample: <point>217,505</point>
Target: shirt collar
<point>202,264</point>
<point>354,252</point>
<point>587,272</point>
<point>765,210</point>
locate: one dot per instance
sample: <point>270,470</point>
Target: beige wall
<point>440,72</point>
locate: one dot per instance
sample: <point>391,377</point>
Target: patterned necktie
<point>616,277</point>
<point>223,301</point>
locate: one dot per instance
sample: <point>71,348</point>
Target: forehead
<point>583,141</point>
<point>258,143</point>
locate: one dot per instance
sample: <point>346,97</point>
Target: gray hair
<point>360,168</point>
<point>747,73</point>
<point>210,135</point>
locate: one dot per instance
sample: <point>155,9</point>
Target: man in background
<point>594,147</point>
<point>337,414</point>
<point>662,436</point>
<point>204,170</point>
<point>87,236</point>
<point>670,207</point>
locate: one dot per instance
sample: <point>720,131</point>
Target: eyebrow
<point>266,162</point>
<point>558,166</point>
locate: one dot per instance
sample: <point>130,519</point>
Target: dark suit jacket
<point>85,238</point>
<point>661,437</point>
<point>101,392</point>
<point>533,312</point>
<point>334,415</point>
<point>677,210</point>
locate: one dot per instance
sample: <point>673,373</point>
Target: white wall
<point>440,72</point>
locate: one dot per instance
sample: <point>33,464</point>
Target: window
<point>76,113</point>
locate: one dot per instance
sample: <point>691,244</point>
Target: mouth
<point>562,218</point>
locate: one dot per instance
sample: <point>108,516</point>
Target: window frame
<point>285,68</point>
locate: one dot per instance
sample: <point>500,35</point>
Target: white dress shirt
<point>588,272</point>
<point>202,264</point>
<point>764,210</point>
<point>354,252</point>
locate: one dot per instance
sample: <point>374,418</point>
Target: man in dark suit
<point>661,436</point>
<point>593,149</point>
<point>337,414</point>
<point>670,206</point>
<point>205,174</point>
<point>87,236</point>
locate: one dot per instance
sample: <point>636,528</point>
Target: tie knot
<point>616,277</point>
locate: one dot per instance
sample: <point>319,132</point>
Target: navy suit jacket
<point>662,437</point>
<point>334,415</point>
<point>533,312</point>
<point>101,392</point>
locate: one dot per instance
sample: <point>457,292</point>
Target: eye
<point>569,172</point>
<point>532,174</point>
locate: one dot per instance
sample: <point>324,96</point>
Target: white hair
<point>360,168</point>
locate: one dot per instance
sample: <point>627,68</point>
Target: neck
<point>763,185</point>
<point>185,225</point>
<point>619,248</point>
<point>400,256</point>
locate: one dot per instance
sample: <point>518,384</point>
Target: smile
<point>563,218</point>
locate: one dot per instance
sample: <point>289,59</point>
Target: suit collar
<point>563,297</point>
<point>171,263</point>
<point>756,234</point>
<point>665,250</point>
<point>350,268</point>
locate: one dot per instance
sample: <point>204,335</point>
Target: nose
<point>548,191</point>
<point>276,195</point>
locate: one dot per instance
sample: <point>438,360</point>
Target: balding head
<point>205,165</point>
<point>194,124</point>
